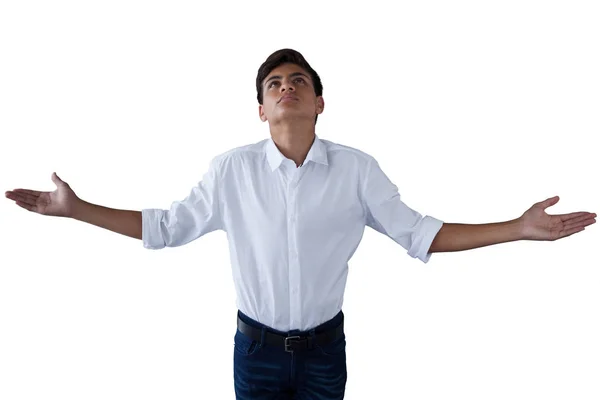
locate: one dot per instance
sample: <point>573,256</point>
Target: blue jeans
<point>262,372</point>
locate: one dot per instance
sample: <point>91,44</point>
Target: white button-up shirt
<point>291,231</point>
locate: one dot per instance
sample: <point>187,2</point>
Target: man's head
<point>288,88</point>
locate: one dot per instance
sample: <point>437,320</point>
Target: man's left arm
<point>534,224</point>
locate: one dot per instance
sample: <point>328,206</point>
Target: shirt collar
<point>317,153</point>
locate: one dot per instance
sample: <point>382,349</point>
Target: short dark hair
<point>284,56</point>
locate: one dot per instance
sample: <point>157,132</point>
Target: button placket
<point>294,262</point>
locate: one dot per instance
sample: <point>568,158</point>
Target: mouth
<point>288,98</point>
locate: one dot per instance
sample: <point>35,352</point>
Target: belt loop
<point>263,332</point>
<point>312,340</point>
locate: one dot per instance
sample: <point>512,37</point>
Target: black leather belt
<point>292,342</point>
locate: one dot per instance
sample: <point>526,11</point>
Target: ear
<point>320,104</point>
<point>261,113</point>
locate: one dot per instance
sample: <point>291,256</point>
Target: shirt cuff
<point>428,229</point>
<point>151,231</point>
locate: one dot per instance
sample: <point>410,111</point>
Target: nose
<point>287,86</point>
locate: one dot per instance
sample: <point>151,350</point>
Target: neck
<point>294,139</point>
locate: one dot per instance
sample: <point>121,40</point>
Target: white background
<point>476,110</point>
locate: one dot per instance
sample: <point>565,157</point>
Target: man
<point>294,208</point>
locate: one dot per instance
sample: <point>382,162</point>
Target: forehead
<point>285,70</point>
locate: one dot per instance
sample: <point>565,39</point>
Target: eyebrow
<point>290,75</point>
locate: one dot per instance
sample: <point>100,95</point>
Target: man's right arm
<point>125,222</point>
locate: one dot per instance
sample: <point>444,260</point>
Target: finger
<point>23,198</point>
<point>28,191</point>
<point>586,220</point>
<point>26,206</point>
<point>565,217</point>
<point>576,217</point>
<point>18,196</point>
<point>579,224</point>
<point>569,232</point>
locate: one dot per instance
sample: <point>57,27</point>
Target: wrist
<point>520,224</point>
<point>78,209</point>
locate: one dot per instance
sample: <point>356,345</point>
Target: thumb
<point>56,179</point>
<point>549,202</point>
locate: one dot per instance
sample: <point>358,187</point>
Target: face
<point>289,94</point>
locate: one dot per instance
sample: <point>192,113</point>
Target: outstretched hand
<point>537,225</point>
<point>60,203</point>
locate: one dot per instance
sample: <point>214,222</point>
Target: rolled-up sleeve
<point>188,219</point>
<point>387,214</point>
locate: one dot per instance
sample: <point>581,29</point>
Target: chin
<point>293,115</point>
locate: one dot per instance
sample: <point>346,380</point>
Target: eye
<point>271,84</point>
<point>300,79</point>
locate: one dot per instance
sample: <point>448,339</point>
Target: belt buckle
<point>288,345</point>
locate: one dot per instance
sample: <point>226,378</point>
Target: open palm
<point>58,203</point>
<point>537,225</point>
